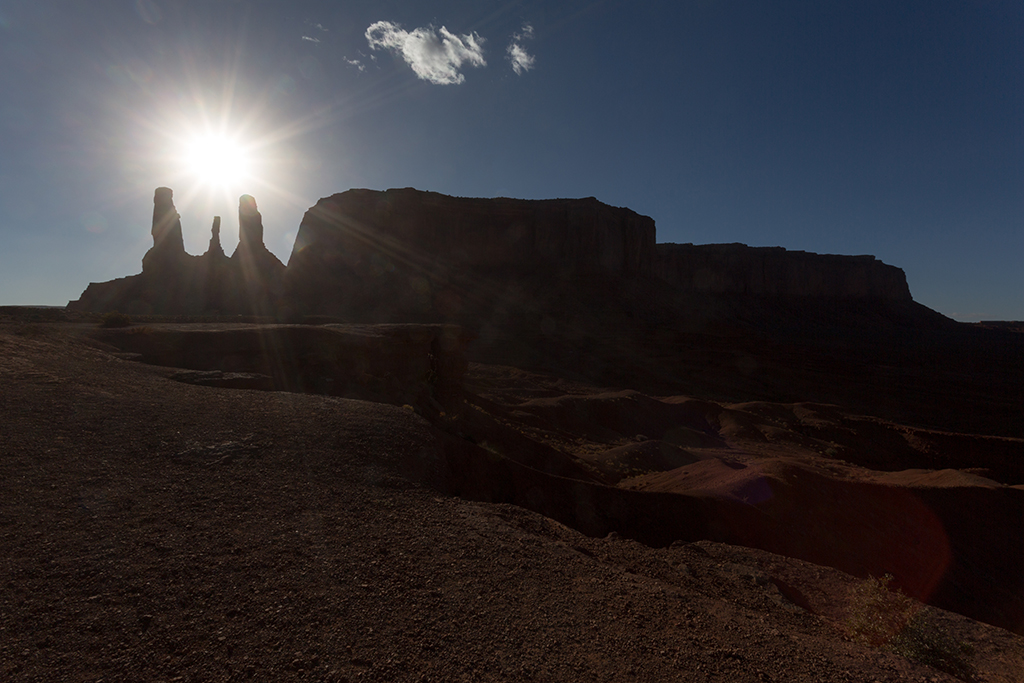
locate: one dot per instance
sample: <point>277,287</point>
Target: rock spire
<point>168,245</point>
<point>250,223</point>
<point>215,249</point>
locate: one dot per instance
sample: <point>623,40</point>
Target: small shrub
<point>878,613</point>
<point>115,319</point>
<point>885,618</point>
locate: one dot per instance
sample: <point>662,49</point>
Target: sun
<point>217,160</point>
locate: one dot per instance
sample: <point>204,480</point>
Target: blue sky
<point>886,128</point>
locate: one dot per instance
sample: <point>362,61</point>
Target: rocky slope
<point>157,530</point>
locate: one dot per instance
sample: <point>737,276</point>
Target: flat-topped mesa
<point>776,272</point>
<point>168,244</point>
<point>550,236</point>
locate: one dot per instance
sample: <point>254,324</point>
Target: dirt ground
<point>152,530</point>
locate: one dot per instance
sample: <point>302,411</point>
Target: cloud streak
<point>435,56</point>
<point>522,61</point>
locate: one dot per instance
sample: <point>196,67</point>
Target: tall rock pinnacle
<point>168,244</point>
<point>250,224</point>
<point>215,250</point>
<point>174,282</point>
<point>259,272</point>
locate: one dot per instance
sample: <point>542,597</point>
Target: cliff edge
<point>776,272</point>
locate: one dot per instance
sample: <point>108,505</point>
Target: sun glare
<point>217,160</point>
<point>210,158</point>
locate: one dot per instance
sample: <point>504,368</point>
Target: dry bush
<point>882,617</point>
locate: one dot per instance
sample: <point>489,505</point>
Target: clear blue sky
<point>853,127</point>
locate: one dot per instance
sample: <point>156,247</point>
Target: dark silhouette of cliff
<point>406,254</point>
<point>745,350</point>
<point>403,255</point>
<point>411,255</point>
<point>776,272</point>
<point>168,252</point>
<point>173,282</point>
<point>581,289</point>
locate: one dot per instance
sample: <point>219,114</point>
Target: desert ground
<point>553,528</point>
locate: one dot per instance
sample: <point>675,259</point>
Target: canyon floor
<point>552,529</point>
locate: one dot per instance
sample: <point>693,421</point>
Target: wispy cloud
<point>312,31</point>
<point>435,56</point>
<point>522,60</point>
<point>356,63</point>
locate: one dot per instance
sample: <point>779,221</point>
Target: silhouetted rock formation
<point>410,256</point>
<point>250,224</point>
<point>168,249</point>
<point>775,272</point>
<point>406,255</point>
<point>568,235</point>
<point>215,249</point>
<point>173,282</point>
<point>258,273</point>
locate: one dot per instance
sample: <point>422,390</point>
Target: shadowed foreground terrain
<point>154,527</point>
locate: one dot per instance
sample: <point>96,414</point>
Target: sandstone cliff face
<point>405,255</point>
<point>775,272</point>
<point>568,235</point>
<point>365,232</point>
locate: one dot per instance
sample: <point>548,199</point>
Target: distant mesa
<point>417,245</point>
<point>555,236</point>
<point>408,255</point>
<point>776,272</point>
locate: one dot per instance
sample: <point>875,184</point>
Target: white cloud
<point>356,63</point>
<point>522,60</point>
<point>312,40</point>
<point>434,56</point>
